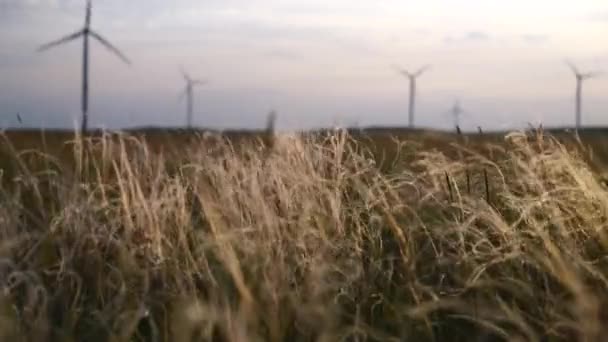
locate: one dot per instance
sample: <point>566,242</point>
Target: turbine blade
<point>110,47</point>
<point>422,70</point>
<point>184,74</point>
<point>592,74</point>
<point>88,14</point>
<point>573,67</point>
<point>199,82</point>
<point>401,71</point>
<point>60,41</point>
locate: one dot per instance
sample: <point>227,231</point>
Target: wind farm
<point>412,76</point>
<point>407,213</point>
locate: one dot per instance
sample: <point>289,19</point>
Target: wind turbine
<point>189,93</point>
<point>269,137</point>
<point>413,78</point>
<point>271,121</point>
<point>457,112</point>
<point>580,78</point>
<point>85,33</point>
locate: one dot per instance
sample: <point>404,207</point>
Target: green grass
<point>327,237</point>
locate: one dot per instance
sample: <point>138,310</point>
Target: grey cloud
<point>421,31</point>
<point>535,38</point>
<point>471,36</point>
<point>448,39</point>
<point>476,35</point>
<point>283,54</point>
<point>598,16</point>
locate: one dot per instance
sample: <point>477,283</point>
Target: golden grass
<point>323,238</point>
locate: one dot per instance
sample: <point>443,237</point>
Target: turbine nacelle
<point>83,32</point>
<point>580,76</point>
<point>191,81</point>
<point>185,75</point>
<point>411,75</point>
<point>590,75</point>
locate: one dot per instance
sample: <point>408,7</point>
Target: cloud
<point>599,16</point>
<point>471,36</point>
<point>283,54</point>
<point>477,36</point>
<point>421,31</point>
<point>535,38</point>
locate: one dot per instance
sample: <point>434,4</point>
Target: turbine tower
<point>189,93</point>
<point>580,78</point>
<point>412,78</point>
<point>85,33</point>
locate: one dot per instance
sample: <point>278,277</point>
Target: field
<point>380,235</point>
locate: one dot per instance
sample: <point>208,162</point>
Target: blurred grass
<point>334,236</point>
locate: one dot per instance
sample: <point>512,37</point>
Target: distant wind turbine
<point>413,78</point>
<point>189,93</point>
<point>271,121</point>
<point>580,78</point>
<point>85,33</point>
<point>457,113</point>
<point>19,118</point>
<point>269,136</point>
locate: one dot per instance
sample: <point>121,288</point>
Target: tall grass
<point>318,239</point>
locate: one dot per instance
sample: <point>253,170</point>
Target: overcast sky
<point>314,61</point>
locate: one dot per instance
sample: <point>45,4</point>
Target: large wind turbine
<point>580,78</point>
<point>189,93</point>
<point>85,33</point>
<point>413,78</point>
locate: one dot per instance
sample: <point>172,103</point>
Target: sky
<point>316,62</point>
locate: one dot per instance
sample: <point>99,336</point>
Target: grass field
<point>381,235</point>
